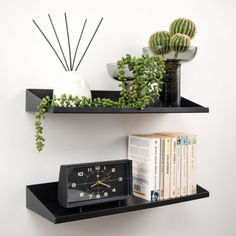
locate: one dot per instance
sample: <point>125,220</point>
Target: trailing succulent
<point>178,38</point>
<point>147,76</point>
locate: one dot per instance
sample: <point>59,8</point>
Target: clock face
<point>97,181</point>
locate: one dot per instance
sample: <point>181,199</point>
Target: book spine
<point>178,167</point>
<point>156,193</point>
<point>184,153</point>
<point>162,167</point>
<point>189,164</point>
<point>194,169</point>
<point>167,169</point>
<point>173,167</point>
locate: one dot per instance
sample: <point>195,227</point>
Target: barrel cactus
<point>159,42</point>
<point>183,26</point>
<point>179,43</point>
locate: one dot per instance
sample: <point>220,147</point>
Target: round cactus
<point>179,43</point>
<point>159,42</point>
<point>183,26</point>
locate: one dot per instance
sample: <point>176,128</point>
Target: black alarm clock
<point>94,183</point>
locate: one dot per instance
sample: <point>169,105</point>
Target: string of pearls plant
<point>147,77</point>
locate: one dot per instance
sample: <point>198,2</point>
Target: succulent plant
<point>179,43</point>
<point>159,42</point>
<point>183,26</point>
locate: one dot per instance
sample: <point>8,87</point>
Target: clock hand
<point>107,185</point>
<point>102,180</point>
<point>94,185</point>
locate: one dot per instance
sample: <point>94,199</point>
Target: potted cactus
<point>175,47</point>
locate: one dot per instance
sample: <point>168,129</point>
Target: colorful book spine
<point>192,184</point>
<point>178,167</point>
<point>167,169</point>
<point>184,157</point>
<point>173,165</point>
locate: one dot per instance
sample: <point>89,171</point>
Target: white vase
<point>71,82</point>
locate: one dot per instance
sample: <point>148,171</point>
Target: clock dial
<point>100,181</point>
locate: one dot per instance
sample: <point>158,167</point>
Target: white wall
<point>26,61</point>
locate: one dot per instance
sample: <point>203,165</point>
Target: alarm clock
<point>94,183</point>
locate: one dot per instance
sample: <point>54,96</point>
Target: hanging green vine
<point>147,78</point>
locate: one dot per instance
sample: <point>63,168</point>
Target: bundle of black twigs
<point>71,66</point>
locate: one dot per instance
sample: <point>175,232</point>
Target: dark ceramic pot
<point>170,94</point>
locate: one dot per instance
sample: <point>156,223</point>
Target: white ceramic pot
<point>71,82</point>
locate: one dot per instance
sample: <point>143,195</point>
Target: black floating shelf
<point>42,199</point>
<point>34,97</point>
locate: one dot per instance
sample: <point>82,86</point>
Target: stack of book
<point>164,165</point>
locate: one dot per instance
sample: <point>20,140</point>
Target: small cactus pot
<point>170,94</point>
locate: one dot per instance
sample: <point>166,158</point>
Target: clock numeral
<point>113,169</point>
<point>105,194</point>
<point>113,190</point>
<point>90,196</point>
<point>81,194</point>
<point>98,196</point>
<point>120,179</point>
<point>81,173</point>
<point>73,185</point>
<point>90,169</point>
<point>97,167</point>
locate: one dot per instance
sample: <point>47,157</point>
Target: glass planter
<point>171,87</point>
<point>113,71</point>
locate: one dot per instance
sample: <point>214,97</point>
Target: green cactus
<point>183,26</point>
<point>179,43</point>
<point>159,42</point>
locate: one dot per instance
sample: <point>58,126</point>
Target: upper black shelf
<point>34,97</point>
<point>42,199</point>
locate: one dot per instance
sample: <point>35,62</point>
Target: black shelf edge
<point>34,97</point>
<point>42,199</point>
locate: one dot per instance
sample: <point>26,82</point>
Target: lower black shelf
<point>42,199</point>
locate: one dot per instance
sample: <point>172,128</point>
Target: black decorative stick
<point>77,46</point>
<point>68,37</point>
<point>50,45</point>
<point>58,41</point>
<point>89,44</point>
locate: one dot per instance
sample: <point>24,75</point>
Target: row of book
<point>164,165</point>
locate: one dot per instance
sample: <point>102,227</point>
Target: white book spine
<point>194,169</point>
<point>156,195</point>
<point>178,167</point>
<point>184,154</point>
<point>189,164</point>
<point>162,168</point>
<point>167,169</point>
<point>173,167</point>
